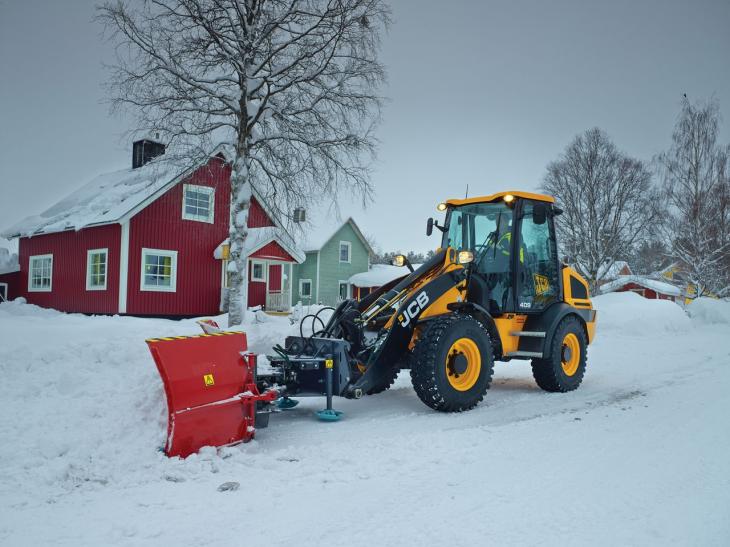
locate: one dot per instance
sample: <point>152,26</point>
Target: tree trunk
<point>238,262</point>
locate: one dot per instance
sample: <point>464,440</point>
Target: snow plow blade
<point>210,385</point>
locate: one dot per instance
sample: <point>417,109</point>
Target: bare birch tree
<point>694,176</point>
<point>290,86</point>
<point>607,200</point>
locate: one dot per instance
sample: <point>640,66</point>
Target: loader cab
<point>515,266</point>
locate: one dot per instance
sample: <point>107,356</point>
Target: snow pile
<point>710,311</point>
<point>630,314</point>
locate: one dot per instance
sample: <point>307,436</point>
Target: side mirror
<point>429,226</point>
<point>539,213</point>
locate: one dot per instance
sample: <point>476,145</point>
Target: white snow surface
<point>654,284</point>
<point>379,274</point>
<point>638,455</point>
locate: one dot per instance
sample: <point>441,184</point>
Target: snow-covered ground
<point>639,455</point>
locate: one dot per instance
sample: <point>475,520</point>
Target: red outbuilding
<point>150,240</point>
<point>653,289</point>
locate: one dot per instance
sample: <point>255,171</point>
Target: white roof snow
<point>259,237</point>
<point>103,200</point>
<point>379,275</point>
<point>612,272</point>
<point>653,284</point>
<point>8,262</point>
<point>323,221</point>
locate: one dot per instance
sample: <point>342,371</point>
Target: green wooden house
<point>334,252</point>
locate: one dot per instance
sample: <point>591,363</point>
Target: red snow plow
<point>210,384</point>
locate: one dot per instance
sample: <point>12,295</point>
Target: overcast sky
<point>481,93</point>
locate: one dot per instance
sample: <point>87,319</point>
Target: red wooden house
<point>143,241</point>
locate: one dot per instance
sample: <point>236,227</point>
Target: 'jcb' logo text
<point>413,309</point>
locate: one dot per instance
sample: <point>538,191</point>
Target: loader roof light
<point>441,207</point>
<point>399,260</point>
<point>509,198</point>
<point>465,257</point>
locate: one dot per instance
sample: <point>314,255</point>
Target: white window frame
<point>264,271</point>
<point>89,254</point>
<point>211,197</point>
<point>173,274</point>
<point>30,274</point>
<point>349,288</point>
<point>349,252</point>
<point>301,284</point>
<point>3,296</point>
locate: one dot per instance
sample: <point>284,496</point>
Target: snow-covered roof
<point>103,200</point>
<point>8,262</point>
<point>653,284</point>
<point>379,275</point>
<point>324,220</point>
<point>612,271</point>
<point>259,237</point>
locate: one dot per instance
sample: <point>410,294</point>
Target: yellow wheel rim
<point>463,364</point>
<point>570,354</point>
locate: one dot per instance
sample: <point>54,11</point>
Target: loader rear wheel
<point>452,363</point>
<point>563,370</point>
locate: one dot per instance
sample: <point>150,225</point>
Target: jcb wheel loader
<point>493,290</point>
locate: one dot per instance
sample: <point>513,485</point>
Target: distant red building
<point>149,241</point>
<point>652,289</point>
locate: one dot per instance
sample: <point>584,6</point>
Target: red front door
<point>274,277</point>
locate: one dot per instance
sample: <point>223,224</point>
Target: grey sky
<point>481,93</point>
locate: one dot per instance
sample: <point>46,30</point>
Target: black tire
<point>434,360</point>
<point>554,373</point>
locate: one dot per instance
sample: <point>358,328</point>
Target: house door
<point>257,275</point>
<point>275,277</point>
<point>3,292</point>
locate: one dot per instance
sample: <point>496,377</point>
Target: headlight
<point>465,257</point>
<point>509,198</point>
<point>441,207</point>
<point>399,260</point>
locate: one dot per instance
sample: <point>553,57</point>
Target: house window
<point>258,270</point>
<point>305,288</point>
<point>40,273</point>
<point>344,290</point>
<point>198,202</point>
<point>345,251</point>
<point>3,292</point>
<point>96,266</point>
<point>159,270</point>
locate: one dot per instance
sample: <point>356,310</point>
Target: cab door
<point>537,277</point>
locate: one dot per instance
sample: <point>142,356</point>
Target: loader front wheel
<point>565,366</point>
<point>452,363</point>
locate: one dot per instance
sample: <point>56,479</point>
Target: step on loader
<point>493,290</point>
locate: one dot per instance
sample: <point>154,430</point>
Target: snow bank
<point>709,311</point>
<point>85,408</point>
<point>630,314</point>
